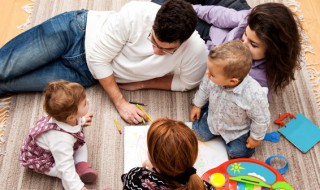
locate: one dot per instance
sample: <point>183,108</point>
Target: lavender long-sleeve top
<point>226,25</point>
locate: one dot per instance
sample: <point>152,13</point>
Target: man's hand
<point>130,113</point>
<point>195,113</point>
<point>88,119</point>
<point>252,143</point>
<point>131,86</point>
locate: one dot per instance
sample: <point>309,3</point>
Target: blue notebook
<point>301,132</point>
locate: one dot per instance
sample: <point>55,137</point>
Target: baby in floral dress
<point>56,146</point>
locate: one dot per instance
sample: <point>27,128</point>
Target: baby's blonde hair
<point>61,99</point>
<point>235,58</point>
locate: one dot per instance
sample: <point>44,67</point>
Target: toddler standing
<point>238,108</point>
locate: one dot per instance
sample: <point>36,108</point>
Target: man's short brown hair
<point>176,20</point>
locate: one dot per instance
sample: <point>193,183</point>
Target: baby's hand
<point>252,143</point>
<point>88,118</point>
<point>195,113</point>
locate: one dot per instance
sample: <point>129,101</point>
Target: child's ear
<point>70,117</point>
<point>234,81</point>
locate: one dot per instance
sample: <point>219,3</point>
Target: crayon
<point>148,116</point>
<point>141,104</point>
<point>117,125</point>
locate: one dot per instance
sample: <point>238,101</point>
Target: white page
<point>211,154</point>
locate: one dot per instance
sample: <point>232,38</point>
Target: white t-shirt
<point>116,43</point>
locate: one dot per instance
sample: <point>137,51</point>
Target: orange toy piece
<point>280,122</point>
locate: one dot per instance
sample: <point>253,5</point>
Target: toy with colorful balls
<point>246,174</point>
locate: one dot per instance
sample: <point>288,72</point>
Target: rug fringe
<point>312,68</point>
<point>4,114</point>
<point>28,8</point>
<point>5,102</point>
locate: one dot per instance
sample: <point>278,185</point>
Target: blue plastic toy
<point>273,136</point>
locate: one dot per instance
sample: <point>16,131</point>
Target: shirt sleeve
<point>259,114</point>
<point>189,73</point>
<point>61,146</point>
<point>109,41</point>
<point>202,95</point>
<point>220,17</point>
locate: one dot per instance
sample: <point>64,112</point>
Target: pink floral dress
<point>33,156</point>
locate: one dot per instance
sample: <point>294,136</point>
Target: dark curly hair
<point>278,27</point>
<point>175,21</point>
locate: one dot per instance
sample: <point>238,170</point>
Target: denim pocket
<point>79,65</point>
<point>80,18</point>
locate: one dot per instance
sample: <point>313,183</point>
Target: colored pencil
<point>141,104</point>
<point>117,125</point>
<point>143,120</point>
<point>148,116</point>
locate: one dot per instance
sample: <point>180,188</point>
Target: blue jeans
<point>50,51</point>
<point>235,149</point>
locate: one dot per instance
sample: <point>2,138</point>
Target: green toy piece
<point>250,180</point>
<point>282,185</point>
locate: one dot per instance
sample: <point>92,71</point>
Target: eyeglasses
<point>164,50</point>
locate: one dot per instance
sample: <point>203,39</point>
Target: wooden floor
<point>310,11</point>
<point>12,15</point>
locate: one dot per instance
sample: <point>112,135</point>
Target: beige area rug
<point>106,145</point>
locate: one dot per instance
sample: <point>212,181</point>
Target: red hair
<point>173,148</point>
